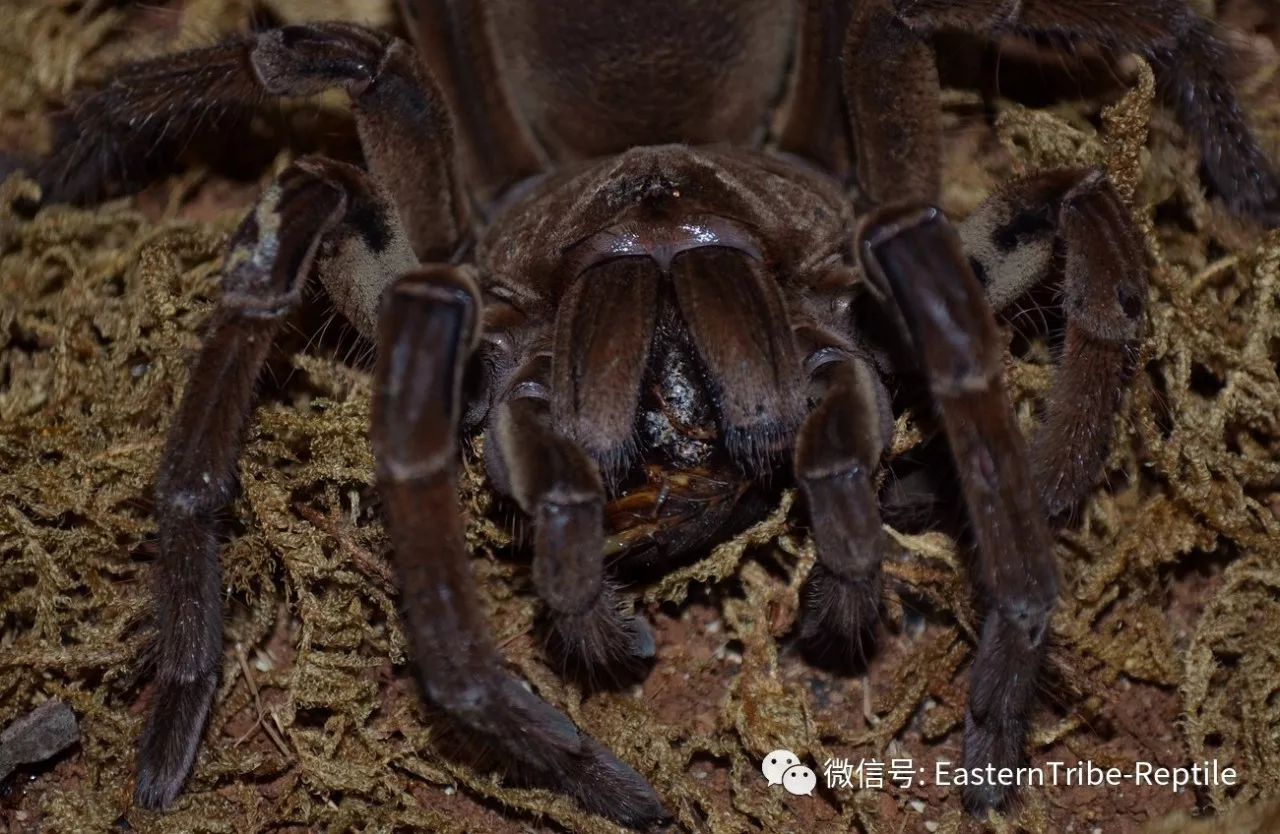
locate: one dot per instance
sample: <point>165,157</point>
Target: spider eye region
<point>661,241</point>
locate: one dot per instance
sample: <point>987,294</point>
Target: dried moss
<point>318,724</point>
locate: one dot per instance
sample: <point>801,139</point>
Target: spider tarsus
<point>178,713</point>
<point>839,618</point>
<point>1232,159</point>
<point>996,748</point>
<point>980,799</point>
<point>1002,690</point>
<point>545,748</point>
<point>610,788</point>
<point>604,646</point>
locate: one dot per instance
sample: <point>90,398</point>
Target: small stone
<point>39,735</point>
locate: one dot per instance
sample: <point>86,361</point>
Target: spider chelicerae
<point>591,233</point>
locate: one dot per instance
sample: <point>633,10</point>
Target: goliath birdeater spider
<point>635,260</point>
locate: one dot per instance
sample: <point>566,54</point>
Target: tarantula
<point>634,259</point>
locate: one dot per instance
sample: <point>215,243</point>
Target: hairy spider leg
<point>915,258</point>
<point>890,84</point>
<point>548,453</point>
<point>746,334</point>
<point>426,331</point>
<point>368,229</point>
<point>838,453</point>
<point>923,272</point>
<point>456,39</point>
<point>108,136</point>
<point>1014,240</point>
<point>269,255</point>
